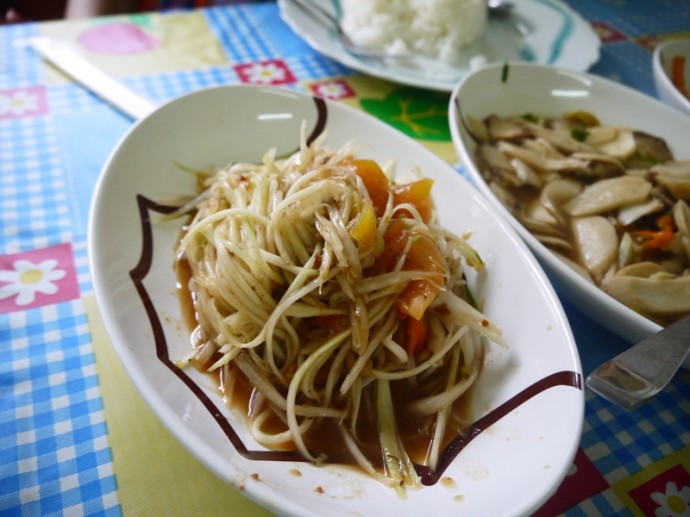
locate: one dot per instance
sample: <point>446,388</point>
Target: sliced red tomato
<point>423,255</point>
<point>416,333</point>
<point>394,240</point>
<point>375,181</point>
<point>417,193</point>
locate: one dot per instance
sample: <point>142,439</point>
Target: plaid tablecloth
<point>75,437</point>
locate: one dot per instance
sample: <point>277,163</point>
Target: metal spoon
<point>641,372</point>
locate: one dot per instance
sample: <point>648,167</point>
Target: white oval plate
<point>539,377</point>
<point>558,36</point>
<point>543,90</point>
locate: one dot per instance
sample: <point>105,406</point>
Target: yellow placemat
<point>139,44</point>
<point>155,474</point>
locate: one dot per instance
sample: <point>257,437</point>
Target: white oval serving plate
<point>556,35</point>
<point>529,400</point>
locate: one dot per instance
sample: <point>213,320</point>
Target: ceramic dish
<point>542,90</point>
<point>557,36</point>
<point>662,67</point>
<point>529,398</point>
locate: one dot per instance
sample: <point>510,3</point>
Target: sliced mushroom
<point>609,194</point>
<point>600,135</point>
<point>629,251</point>
<point>675,265</point>
<point>629,214</point>
<point>506,128</point>
<point>496,166</point>
<point>536,160</point>
<point>553,243</point>
<point>536,210</point>
<point>679,188</point>
<point>543,147</point>
<point>657,294</point>
<point>476,128</point>
<point>538,226</point>
<point>493,157</point>
<point>584,190</point>
<point>677,169</point>
<point>644,269</point>
<point>561,139</point>
<point>675,177</point>
<point>575,267</point>
<point>622,146</point>
<point>681,216</point>
<point>649,149</point>
<point>525,173</point>
<point>556,193</point>
<point>599,165</point>
<point>596,242</point>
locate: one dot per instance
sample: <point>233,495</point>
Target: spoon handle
<point>633,377</point>
<point>65,58</point>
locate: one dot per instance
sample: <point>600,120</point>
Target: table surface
<point>75,437</point>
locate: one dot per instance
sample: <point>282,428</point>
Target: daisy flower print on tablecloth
<point>23,102</point>
<point>37,277</point>
<point>271,71</point>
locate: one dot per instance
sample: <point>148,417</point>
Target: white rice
<point>438,28</point>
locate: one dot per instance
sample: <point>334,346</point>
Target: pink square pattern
<point>23,102</point>
<point>573,489</point>
<point>37,277</point>
<point>335,89</point>
<point>665,495</point>
<point>269,71</point>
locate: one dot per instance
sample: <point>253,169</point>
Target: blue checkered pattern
<point>620,443</point>
<point>242,38</point>
<point>81,265</point>
<point>17,61</point>
<point>54,454</point>
<point>637,73</point>
<point>637,18</point>
<point>165,87</point>
<point>66,98</point>
<point>30,171</point>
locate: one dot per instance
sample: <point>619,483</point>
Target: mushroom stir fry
<point>610,201</point>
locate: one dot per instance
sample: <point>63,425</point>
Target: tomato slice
<point>375,181</point>
<point>416,333</point>
<point>417,193</point>
<point>423,255</point>
<point>394,240</point>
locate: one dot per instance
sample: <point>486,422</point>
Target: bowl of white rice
<point>436,28</point>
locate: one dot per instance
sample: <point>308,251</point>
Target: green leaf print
<point>418,113</point>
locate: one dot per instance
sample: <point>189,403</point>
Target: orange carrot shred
<point>651,239</point>
<point>677,76</point>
